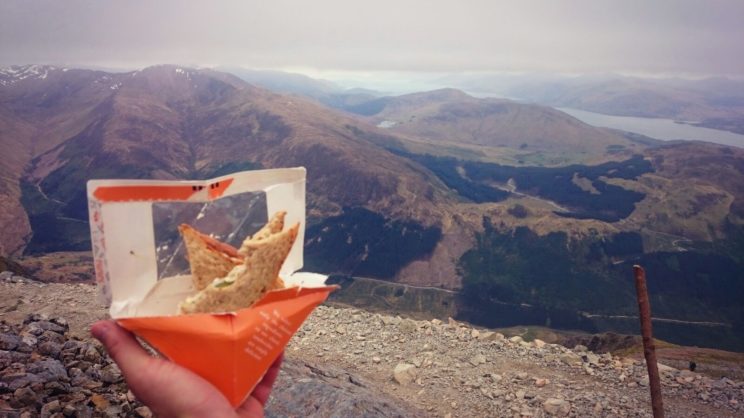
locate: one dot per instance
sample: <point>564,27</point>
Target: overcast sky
<point>643,37</point>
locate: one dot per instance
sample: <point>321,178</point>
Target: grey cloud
<point>577,36</point>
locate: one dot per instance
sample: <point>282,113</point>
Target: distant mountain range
<point>504,201</point>
<point>715,102</point>
<point>451,118</point>
<point>324,91</point>
<point>171,122</point>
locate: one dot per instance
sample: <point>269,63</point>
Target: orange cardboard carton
<point>142,270</point>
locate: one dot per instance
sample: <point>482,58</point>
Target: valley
<point>488,210</point>
<point>477,184</point>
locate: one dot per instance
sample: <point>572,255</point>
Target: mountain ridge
<point>714,102</point>
<point>398,204</point>
<point>450,117</point>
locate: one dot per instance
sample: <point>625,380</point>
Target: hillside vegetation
<point>505,203</point>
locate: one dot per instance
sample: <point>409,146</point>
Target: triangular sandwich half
<point>209,259</point>
<point>246,283</point>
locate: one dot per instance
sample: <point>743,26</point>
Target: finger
<point>168,389</point>
<point>121,346</point>
<point>254,405</point>
<point>251,408</point>
<point>263,390</point>
<point>135,363</point>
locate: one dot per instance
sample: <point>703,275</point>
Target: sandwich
<point>228,279</point>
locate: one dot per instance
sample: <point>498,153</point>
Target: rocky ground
<point>346,362</point>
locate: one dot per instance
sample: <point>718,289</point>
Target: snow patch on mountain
<point>13,74</point>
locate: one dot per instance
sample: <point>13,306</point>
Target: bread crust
<point>209,259</point>
<point>247,282</point>
<point>274,226</point>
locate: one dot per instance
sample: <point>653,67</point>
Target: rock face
<point>309,390</point>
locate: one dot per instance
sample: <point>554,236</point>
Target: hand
<point>170,390</point>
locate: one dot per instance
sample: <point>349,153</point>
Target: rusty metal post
<point>649,350</point>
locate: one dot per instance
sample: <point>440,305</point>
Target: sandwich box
<point>143,273</point>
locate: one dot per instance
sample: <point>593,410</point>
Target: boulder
<point>404,373</point>
<point>477,359</point>
<point>557,407</point>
